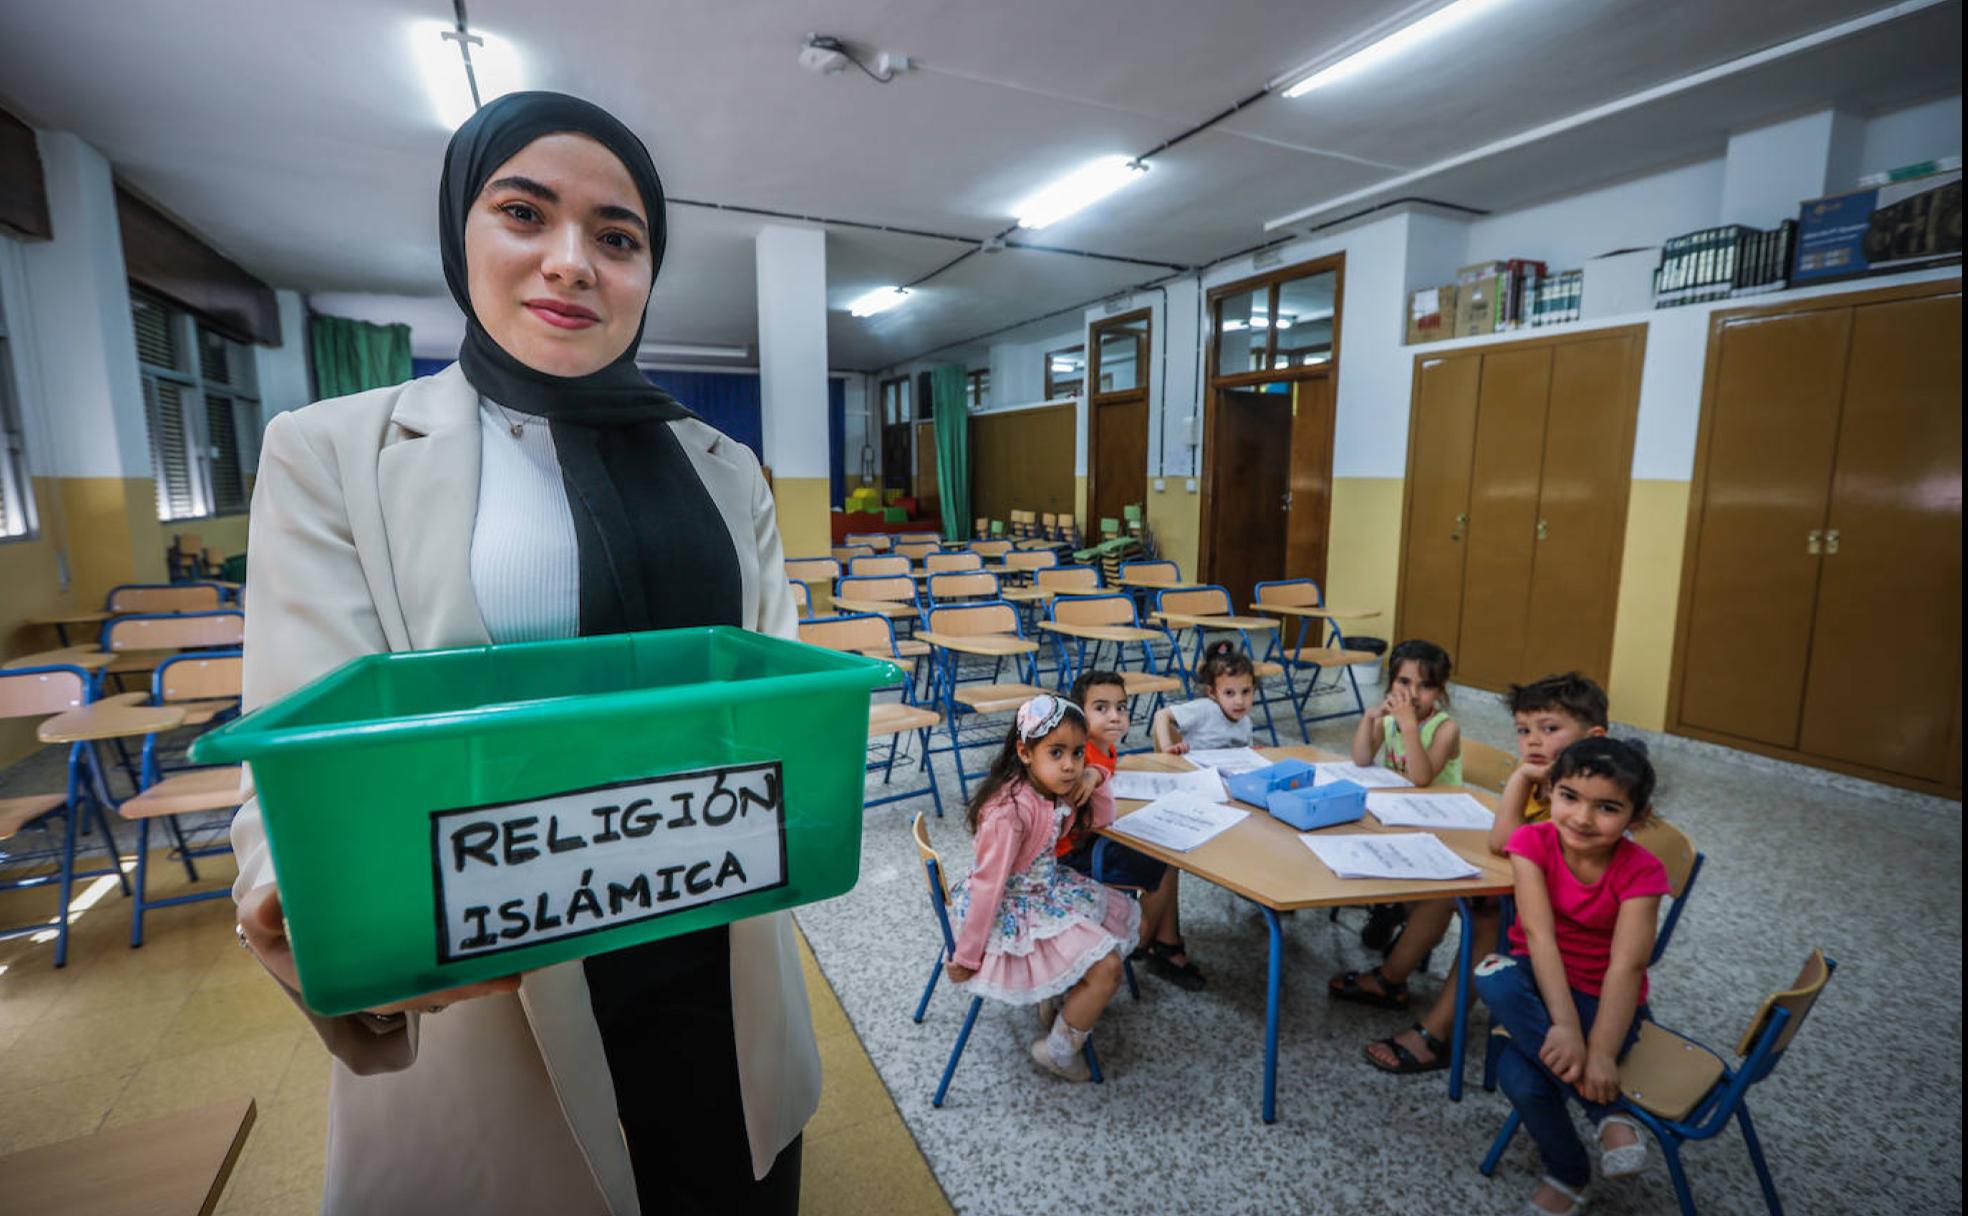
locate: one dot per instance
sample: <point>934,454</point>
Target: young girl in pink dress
<point>1033,929</point>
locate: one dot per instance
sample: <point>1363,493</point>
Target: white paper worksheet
<point>1134,784</point>
<point>1369,776</point>
<point>1418,810</point>
<point>1228,759</point>
<point>1408,855</point>
<point>1179,822</point>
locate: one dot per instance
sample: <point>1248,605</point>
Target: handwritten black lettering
<point>718,818</point>
<point>669,892</point>
<point>517,840</point>
<point>683,821</point>
<point>556,843</point>
<point>474,840</point>
<point>636,819</point>
<point>479,937</point>
<point>619,894</point>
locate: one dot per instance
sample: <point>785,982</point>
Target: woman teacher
<point>538,488</point>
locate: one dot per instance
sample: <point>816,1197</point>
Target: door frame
<point>1630,430</point>
<point>1213,383</point>
<point>1089,391</point>
<point>1697,501</point>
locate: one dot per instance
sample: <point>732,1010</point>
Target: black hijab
<point>654,550</point>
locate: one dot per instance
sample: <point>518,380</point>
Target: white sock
<point>1064,1042</point>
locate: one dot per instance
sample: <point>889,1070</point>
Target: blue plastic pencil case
<point>1309,808</point>
<point>1257,786</point>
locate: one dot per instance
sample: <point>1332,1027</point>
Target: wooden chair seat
<point>204,789</point>
<point>1329,656</point>
<point>198,713</point>
<point>1138,683</point>
<point>1264,669</point>
<point>1667,1074</point>
<point>892,718</point>
<point>17,813</point>
<point>996,698</point>
<point>910,648</point>
<point>133,662</point>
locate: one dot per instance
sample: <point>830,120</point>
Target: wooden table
<point>114,717</point>
<point>1313,611</point>
<point>1201,620</point>
<point>1025,595</point>
<point>87,657</point>
<point>1261,860</point>
<point>173,1166</point>
<point>989,645</point>
<point>1103,633</point>
<point>892,609</point>
<point>1151,584</point>
<point>62,620</point>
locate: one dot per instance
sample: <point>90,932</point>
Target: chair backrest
<point>1291,592</point>
<point>971,620</point>
<point>813,568</point>
<point>1091,610</point>
<point>1032,559</point>
<point>1049,520</point>
<point>888,588</point>
<point>1159,572</point>
<point>1199,601</point>
<point>916,550</point>
<point>993,549</point>
<point>1663,840</point>
<point>1796,1001</point>
<point>854,632</point>
<point>847,553</point>
<point>967,584</point>
<point>880,542</point>
<point>1067,579</point>
<point>1484,766</point>
<point>939,884</point>
<point>39,691</point>
<point>802,597</point>
<point>164,597</point>
<point>945,563</point>
<point>891,563</point>
<point>198,677</point>
<point>175,631</point>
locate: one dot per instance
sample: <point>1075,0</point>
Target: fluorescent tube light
<point>1077,190</point>
<point>1397,43</point>
<point>881,299</point>
<point>689,350</point>
<point>495,65</point>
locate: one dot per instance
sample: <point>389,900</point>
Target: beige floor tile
<point>851,1093</point>
<point>871,1167</point>
<point>303,1202</point>
<point>165,1085</point>
<point>79,1045</point>
<point>285,1154</point>
<point>306,1078</point>
<point>214,1017</point>
<point>44,1114</point>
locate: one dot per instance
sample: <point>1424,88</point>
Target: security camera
<point>822,55</point>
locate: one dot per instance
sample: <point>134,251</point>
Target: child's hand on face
<point>1401,705</point>
<point>1601,1081</point>
<point>1564,1054</point>
<point>1083,788</point>
<point>1534,773</point>
<point>1178,747</point>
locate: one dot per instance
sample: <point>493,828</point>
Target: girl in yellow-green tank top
<point>1411,731</point>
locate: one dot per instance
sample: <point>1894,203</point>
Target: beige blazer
<point>361,543</point>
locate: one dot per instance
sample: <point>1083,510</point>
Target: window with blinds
<point>16,498</point>
<point>202,406</point>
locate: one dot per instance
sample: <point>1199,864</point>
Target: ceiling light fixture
<point>689,350</point>
<point>494,64</point>
<point>880,300</point>
<point>1380,50</point>
<point>1077,190</point>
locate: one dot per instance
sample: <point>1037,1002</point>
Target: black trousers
<point>664,1010</point>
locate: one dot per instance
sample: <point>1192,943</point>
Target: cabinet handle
<point>1814,541</point>
<point>1831,541</point>
<point>1544,529</point>
<point>1462,521</point>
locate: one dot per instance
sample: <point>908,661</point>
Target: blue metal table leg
<point>1271,985</point>
<point>1459,1042</point>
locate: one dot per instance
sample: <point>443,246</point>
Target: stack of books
<point>1723,262</point>
<point>1555,300</point>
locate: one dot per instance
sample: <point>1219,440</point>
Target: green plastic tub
<point>442,817</point>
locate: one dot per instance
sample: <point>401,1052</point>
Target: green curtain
<point>952,414</point>
<point>350,356</point>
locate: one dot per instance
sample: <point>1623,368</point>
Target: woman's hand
<point>1601,1082</point>
<point>265,929</point>
<point>1564,1053</point>
<point>957,973</point>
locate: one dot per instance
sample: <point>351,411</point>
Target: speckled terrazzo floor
<point>1863,1116</point>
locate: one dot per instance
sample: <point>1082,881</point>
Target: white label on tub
<point>516,874</point>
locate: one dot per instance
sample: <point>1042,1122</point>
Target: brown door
<point>926,502</point>
<point>1251,475</point>
<point>1886,645</point>
<point>1773,428</point>
<point>896,445</point>
<point>1582,492</point>
<point>1120,456</point>
<point>1444,436</point>
<point>1503,498</point>
<point>1309,510</point>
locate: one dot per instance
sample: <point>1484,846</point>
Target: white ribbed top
<point>525,570</point>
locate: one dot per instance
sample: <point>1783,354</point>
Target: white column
<point>1771,169</point>
<point>792,310</point>
<point>283,369</point>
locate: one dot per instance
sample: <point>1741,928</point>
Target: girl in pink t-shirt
<point>1572,992</point>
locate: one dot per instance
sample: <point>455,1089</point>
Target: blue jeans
<point>1115,864</point>
<point>1508,986</point>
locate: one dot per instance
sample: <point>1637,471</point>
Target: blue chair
<point>1214,600</point>
<point>1330,653</point>
<point>992,618</point>
<point>939,902</point>
<point>1094,611</point>
<point>865,633</point>
<point>40,692</point>
<point>1681,1091</point>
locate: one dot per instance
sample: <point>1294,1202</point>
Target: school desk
<point>1157,584</point>
<point>85,656</point>
<point>894,610</point>
<point>1261,860</point>
<point>1313,611</point>
<point>62,620</point>
<point>173,1166</point>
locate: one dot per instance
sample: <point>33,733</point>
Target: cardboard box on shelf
<point>1619,282</point>
<point>1479,305</point>
<point>1431,314</point>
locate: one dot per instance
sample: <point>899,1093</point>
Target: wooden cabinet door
<point>1308,515</point>
<point>1886,647</point>
<point>1252,464</point>
<point>1503,498</point>
<point>1772,431</point>
<point>1442,440</point>
<point>1582,492</point>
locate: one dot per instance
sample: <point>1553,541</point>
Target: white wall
<point>1909,136</point>
<point>1563,233</point>
<point>282,370</point>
